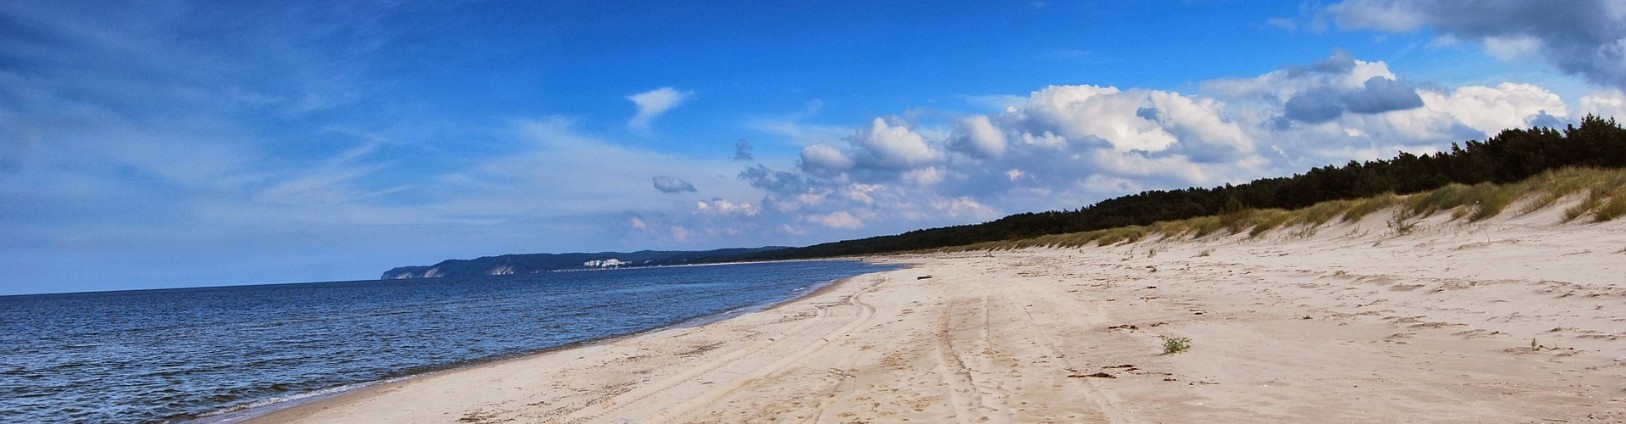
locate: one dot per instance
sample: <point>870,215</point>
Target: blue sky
<point>188,143</point>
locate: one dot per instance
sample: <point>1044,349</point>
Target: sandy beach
<point>1519,318</point>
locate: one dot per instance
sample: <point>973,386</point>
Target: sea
<point>220,354</point>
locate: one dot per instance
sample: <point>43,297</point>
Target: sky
<point>152,144</point>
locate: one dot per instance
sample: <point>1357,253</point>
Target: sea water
<point>183,354</point>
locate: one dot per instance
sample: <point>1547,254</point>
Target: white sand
<point>1351,324</point>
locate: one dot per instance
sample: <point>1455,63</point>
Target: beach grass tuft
<point>1264,220</point>
<point>1321,213</point>
<point>1173,345</point>
<point>1363,207</point>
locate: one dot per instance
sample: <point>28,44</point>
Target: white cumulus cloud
<point>976,135</point>
<point>725,207</point>
<point>1607,103</point>
<point>825,159</point>
<point>1493,109</point>
<point>893,146</point>
<point>841,220</point>
<point>1092,114</point>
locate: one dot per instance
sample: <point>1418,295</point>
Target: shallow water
<point>180,354</point>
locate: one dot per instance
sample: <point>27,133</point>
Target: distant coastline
<point>535,263</point>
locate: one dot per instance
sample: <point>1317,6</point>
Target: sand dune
<point>1514,319</point>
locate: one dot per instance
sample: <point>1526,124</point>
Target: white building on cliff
<point>606,263</point>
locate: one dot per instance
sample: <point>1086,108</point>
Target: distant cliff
<point>542,262</point>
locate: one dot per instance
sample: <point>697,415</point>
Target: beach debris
<point>476,417</point>
<point>923,277</point>
<point>1096,375</point>
<point>1123,327</point>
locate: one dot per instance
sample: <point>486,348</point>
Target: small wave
<point>242,412</point>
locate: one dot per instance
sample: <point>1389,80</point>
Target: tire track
<point>1022,313</point>
<point>647,392</point>
<point>644,391</point>
<point>971,404</point>
<point>844,373</point>
<point>865,312</point>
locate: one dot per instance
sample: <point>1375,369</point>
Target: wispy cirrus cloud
<point>654,103</point>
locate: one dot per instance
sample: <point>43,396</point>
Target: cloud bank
<point>1579,37</point>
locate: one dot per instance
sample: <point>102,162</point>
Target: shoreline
<point>307,410</point>
<point>1514,319</point>
<point>253,414</point>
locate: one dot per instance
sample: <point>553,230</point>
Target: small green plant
<point>1173,345</point>
<point>1401,222</point>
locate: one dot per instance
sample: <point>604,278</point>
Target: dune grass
<point>1605,200</point>
<point>1476,202</point>
<point>1174,345</point>
<point>1557,185</point>
<point>1359,209</point>
<point>1604,191</point>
